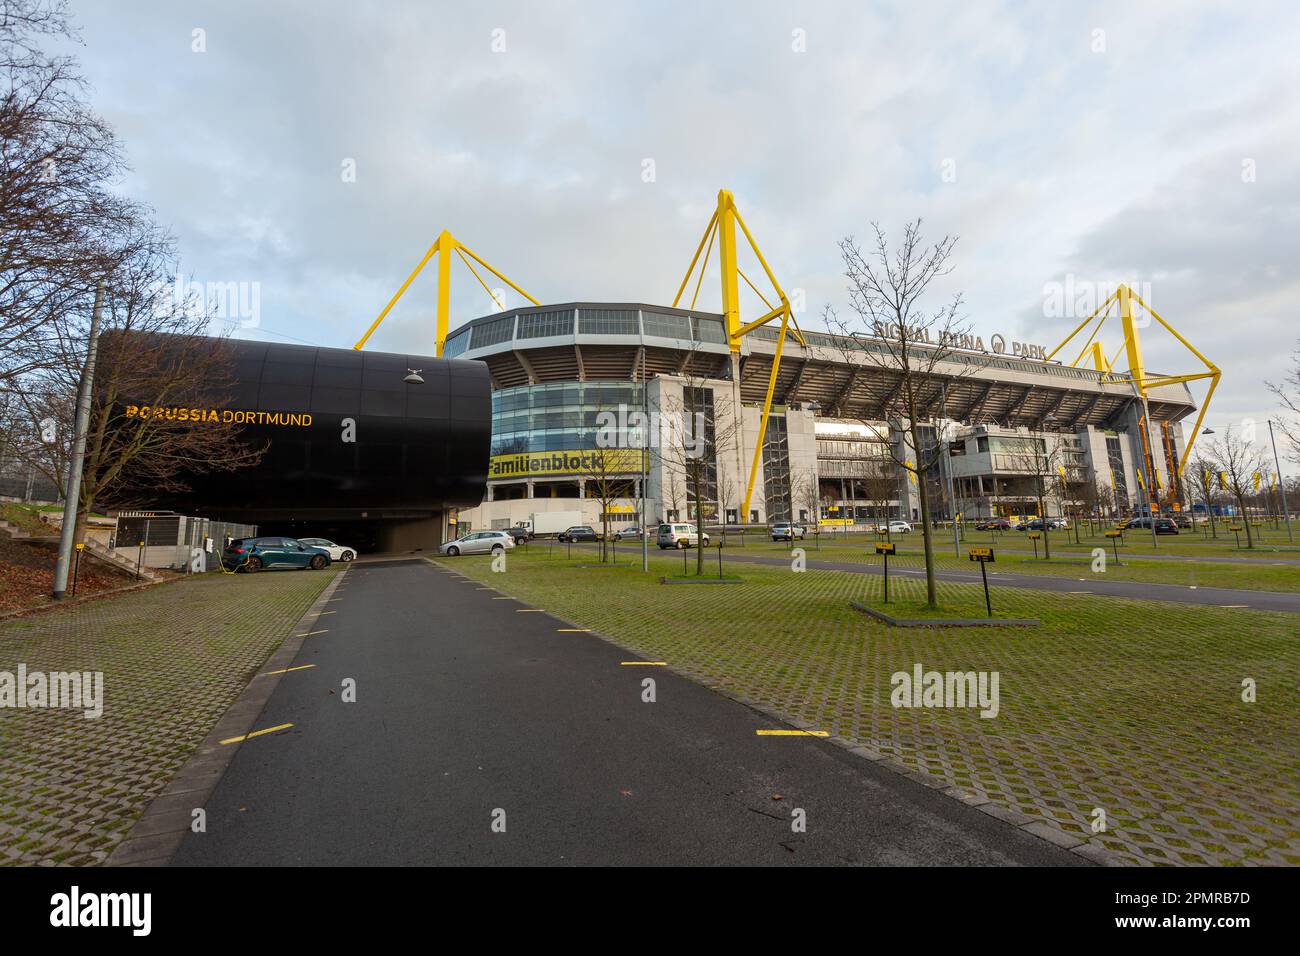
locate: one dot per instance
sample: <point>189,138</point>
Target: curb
<point>1094,853</point>
<point>157,835</point>
<point>945,621</point>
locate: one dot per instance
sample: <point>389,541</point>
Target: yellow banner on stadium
<point>576,463</point>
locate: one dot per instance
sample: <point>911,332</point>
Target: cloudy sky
<point>1069,146</point>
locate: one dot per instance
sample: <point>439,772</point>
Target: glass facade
<point>668,326</point>
<point>608,322</point>
<point>1115,458</point>
<point>557,416</point>
<point>776,469</point>
<point>494,332</point>
<point>541,325</point>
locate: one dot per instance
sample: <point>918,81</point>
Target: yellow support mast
<point>1124,297</point>
<point>722,229</point>
<point>444,246</point>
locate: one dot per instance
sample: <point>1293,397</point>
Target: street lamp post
<point>72,499</point>
<point>1286,513</point>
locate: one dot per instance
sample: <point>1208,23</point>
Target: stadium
<point>998,425</point>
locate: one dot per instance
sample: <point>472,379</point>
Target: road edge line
<point>155,837</point>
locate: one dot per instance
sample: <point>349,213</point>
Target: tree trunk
<point>931,593</point>
<point>1042,516</point>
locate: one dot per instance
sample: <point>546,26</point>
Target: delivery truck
<point>547,524</point>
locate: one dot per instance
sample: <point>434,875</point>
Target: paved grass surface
<point>174,658</point>
<point>1128,706</point>
<point>1260,572</point>
<point>469,703</point>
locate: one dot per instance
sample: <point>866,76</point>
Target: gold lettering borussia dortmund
<point>212,416</point>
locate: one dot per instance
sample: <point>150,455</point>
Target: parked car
<point>629,534</point>
<point>993,524</point>
<point>519,533</point>
<point>479,542</point>
<point>254,554</point>
<point>337,552</point>
<point>680,536</point>
<point>1182,520</point>
<point>579,532</point>
<point>785,531</point>
<point>896,527</point>
<point>1163,525</point>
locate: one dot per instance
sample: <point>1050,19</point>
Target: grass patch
<point>25,517</point>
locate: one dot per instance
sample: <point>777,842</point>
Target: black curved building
<point>356,452</point>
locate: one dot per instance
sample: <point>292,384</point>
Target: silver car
<point>680,536</point>
<point>785,531</point>
<point>479,542</point>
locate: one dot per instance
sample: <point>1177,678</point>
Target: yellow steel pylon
<point>445,244</point>
<point>722,228</point>
<point>1124,297</point>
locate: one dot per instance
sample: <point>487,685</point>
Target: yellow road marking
<point>323,613</point>
<point>256,733</point>
<point>529,610</point>
<point>792,733</point>
<point>301,667</point>
<point>643,664</point>
<point>503,598</point>
<point>485,589</point>
<point>573,630</point>
<point>1234,605</point>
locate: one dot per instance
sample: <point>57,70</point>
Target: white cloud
<point>1068,161</point>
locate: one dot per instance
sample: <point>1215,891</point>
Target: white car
<point>479,542</point>
<point>680,536</point>
<point>897,527</point>
<point>337,552</point>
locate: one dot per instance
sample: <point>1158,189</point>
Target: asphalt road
<point>466,706</point>
<point>1082,582</point>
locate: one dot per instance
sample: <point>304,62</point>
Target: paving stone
<point>174,659</point>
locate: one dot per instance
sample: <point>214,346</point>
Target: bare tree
<point>1040,459</point>
<point>898,335</point>
<point>609,478</point>
<point>728,495</point>
<point>879,480</point>
<point>155,367</point>
<point>1288,392</point>
<point>1204,480</point>
<point>60,221</point>
<point>1239,463</point>
<point>673,491</point>
<point>807,495</point>
<point>702,429</point>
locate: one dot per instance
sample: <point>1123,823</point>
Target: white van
<point>680,536</point>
